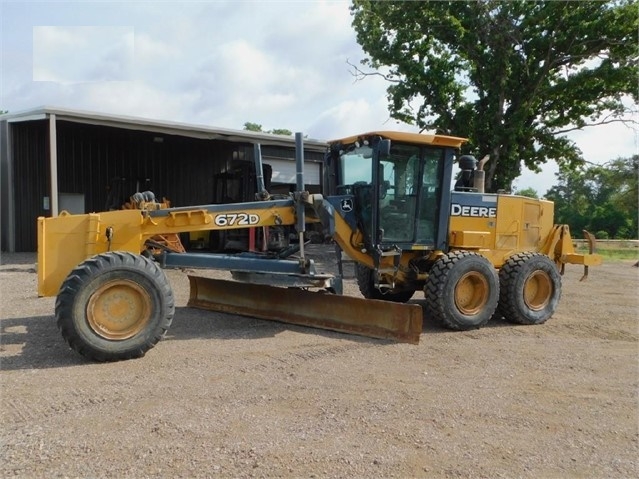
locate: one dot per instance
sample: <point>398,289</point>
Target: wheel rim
<point>119,310</point>
<point>538,290</point>
<point>471,293</point>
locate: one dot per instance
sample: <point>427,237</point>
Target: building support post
<point>53,156</point>
<point>7,189</point>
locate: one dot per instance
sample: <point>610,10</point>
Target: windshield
<point>356,166</point>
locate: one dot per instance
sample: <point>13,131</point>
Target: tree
<point>528,192</point>
<point>600,198</point>
<point>252,126</point>
<point>512,76</point>
<point>281,131</point>
<point>276,131</point>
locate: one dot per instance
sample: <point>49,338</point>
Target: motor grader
<point>390,209</point>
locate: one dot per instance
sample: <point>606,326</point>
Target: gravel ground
<point>225,396</point>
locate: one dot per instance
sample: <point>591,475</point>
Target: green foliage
<point>512,76</point>
<point>528,192</point>
<point>252,126</point>
<point>600,198</point>
<point>276,131</point>
<point>613,252</point>
<point>281,131</point>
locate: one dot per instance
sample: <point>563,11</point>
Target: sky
<point>281,64</point>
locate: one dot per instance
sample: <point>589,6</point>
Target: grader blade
<point>346,314</point>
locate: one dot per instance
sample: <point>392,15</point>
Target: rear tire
<point>530,287</point>
<point>114,306</point>
<point>366,284</point>
<point>462,290</point>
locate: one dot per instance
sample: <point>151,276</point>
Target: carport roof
<point>158,126</point>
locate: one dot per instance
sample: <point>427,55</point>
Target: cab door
<point>410,189</point>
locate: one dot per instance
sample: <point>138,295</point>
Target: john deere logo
<point>346,205</point>
<point>473,211</point>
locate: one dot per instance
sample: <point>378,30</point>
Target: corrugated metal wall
<point>30,154</point>
<point>107,164</point>
<point>95,160</point>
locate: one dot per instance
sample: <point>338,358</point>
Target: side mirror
<point>384,147</point>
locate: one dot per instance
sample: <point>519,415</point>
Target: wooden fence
<point>613,244</point>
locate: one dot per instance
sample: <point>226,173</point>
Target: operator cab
<point>412,173</point>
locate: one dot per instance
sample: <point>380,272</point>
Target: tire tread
<point>436,304</point>
<point>88,271</point>
<point>367,287</point>
<point>508,298</point>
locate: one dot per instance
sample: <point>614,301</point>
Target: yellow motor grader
<point>390,209</point>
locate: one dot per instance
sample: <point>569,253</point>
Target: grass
<point>614,252</point>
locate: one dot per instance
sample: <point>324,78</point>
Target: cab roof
<point>405,137</point>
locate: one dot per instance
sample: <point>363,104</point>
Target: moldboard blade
<point>346,314</point>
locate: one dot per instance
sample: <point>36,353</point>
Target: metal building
<point>55,159</point>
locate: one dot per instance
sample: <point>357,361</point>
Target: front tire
<point>366,284</point>
<point>530,287</point>
<point>114,306</point>
<point>462,290</point>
